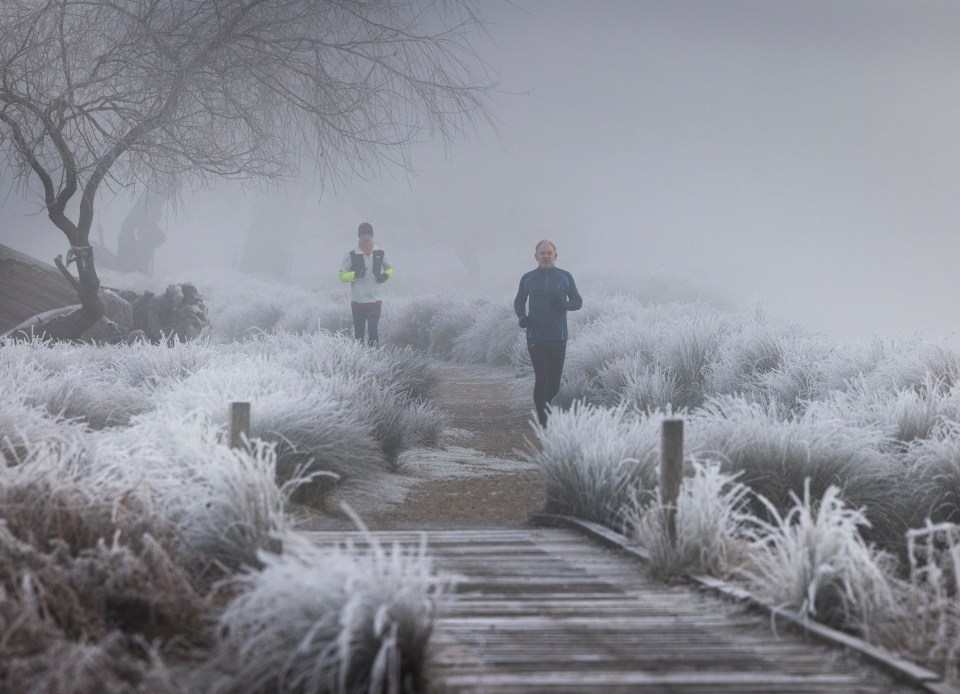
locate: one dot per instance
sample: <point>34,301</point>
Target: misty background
<point>798,155</point>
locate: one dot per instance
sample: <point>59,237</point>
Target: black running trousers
<point>547,357</point>
<point>366,318</point>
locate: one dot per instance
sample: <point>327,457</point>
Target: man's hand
<point>382,277</point>
<point>525,321</point>
<point>358,274</point>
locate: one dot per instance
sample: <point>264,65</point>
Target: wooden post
<point>239,424</point>
<point>671,472</point>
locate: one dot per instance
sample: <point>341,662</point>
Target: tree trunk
<point>72,325</point>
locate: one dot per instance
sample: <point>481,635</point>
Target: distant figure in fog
<point>140,236</point>
<point>366,267</point>
<point>551,293</point>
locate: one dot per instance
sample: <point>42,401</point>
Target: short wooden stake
<point>671,473</point>
<point>239,424</point>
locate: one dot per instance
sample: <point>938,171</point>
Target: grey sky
<point>799,154</point>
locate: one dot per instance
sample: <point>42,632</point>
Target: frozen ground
<point>477,477</point>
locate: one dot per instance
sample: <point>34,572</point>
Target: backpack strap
<point>356,261</point>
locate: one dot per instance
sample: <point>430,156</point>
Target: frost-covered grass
<point>710,512</point>
<point>334,619</point>
<point>776,457</point>
<point>594,459</point>
<point>326,400</point>
<point>220,506</point>
<point>814,560</point>
<point>71,383</point>
<point>822,457</point>
<point>126,536</point>
<point>933,630</point>
<point>87,567</point>
<point>128,527</point>
<point>811,462</point>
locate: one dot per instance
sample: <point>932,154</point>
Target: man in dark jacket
<point>551,293</point>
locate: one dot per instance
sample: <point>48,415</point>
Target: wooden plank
<point>546,610</point>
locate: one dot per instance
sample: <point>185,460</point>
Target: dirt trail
<point>476,478</point>
<point>478,400</point>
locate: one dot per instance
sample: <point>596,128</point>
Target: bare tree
<point>173,93</point>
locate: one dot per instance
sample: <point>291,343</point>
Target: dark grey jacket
<point>551,293</point>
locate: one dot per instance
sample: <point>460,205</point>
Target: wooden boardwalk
<point>548,610</point>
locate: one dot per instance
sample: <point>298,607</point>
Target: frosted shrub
<point>238,321</point>
<point>242,306</point>
<point>637,384</point>
<point>912,364</point>
<point>82,558</point>
<point>155,367</point>
<point>709,513</point>
<point>219,505</point>
<point>934,465</point>
<point>23,425</point>
<point>403,368</point>
<point>614,334</point>
<point>411,321</point>
<point>490,339</point>
<point>52,494</point>
<point>915,413</point>
<point>688,353</point>
<point>934,626</point>
<point>41,655</point>
<point>329,620</point>
<point>656,352</point>
<point>69,381</point>
<point>397,422</point>
<point>308,318</point>
<point>905,414</point>
<point>851,360</point>
<point>452,318</point>
<point>320,418</point>
<point>799,380</point>
<point>381,389</point>
<point>814,560</point>
<point>777,366</point>
<point>593,459</point>
<point>775,458</point>
<point>743,357</point>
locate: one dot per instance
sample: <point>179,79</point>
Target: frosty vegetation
<point>824,476</point>
<point>138,552</point>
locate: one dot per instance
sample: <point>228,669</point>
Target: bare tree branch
<point>175,93</point>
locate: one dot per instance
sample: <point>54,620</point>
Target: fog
<point>798,155</point>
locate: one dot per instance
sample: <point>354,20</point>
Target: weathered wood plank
<point>546,610</point>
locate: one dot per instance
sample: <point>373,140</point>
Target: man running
<point>366,268</point>
<point>551,293</point>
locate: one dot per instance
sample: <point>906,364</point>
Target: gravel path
<point>476,478</point>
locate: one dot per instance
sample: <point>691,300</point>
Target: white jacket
<point>365,289</point>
